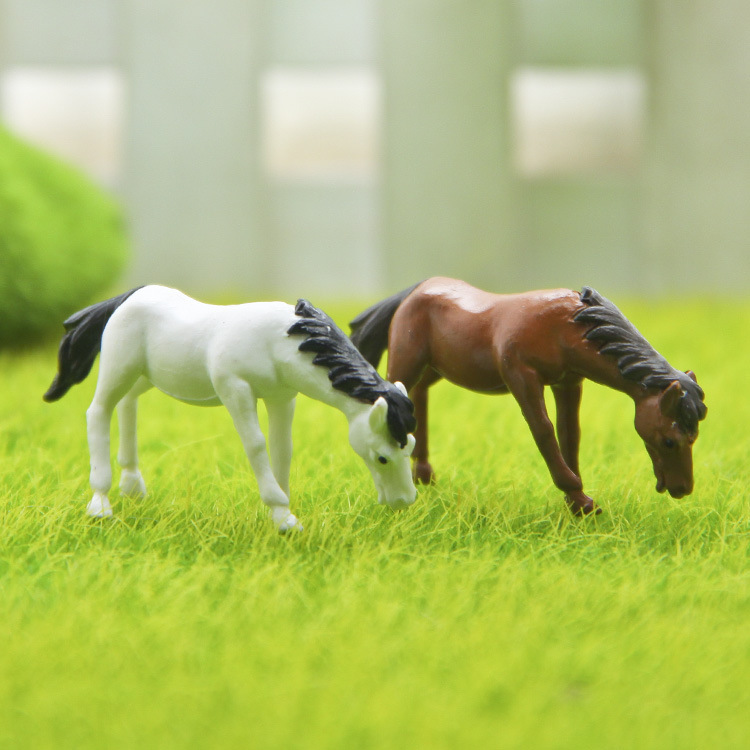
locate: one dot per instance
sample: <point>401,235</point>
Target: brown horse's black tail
<point>370,328</point>
<point>81,343</point>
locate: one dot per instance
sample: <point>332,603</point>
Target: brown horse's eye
<point>669,443</point>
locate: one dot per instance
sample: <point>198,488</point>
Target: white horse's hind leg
<point>98,419</point>
<point>242,405</point>
<point>131,480</point>
<point>113,383</point>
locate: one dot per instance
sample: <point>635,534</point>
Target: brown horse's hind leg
<point>527,388</point>
<point>408,359</point>
<point>423,472</point>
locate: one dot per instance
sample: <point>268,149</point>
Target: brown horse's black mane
<point>348,370</point>
<point>636,359</point>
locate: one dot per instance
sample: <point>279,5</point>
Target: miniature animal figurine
<point>233,355</point>
<point>520,343</point>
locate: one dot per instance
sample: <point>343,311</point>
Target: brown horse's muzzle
<point>680,490</point>
<point>678,485</point>
<point>676,489</point>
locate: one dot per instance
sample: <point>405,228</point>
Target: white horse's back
<point>180,345</point>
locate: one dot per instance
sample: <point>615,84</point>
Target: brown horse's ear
<point>670,399</point>
<point>691,375</point>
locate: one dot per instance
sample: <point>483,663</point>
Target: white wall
<point>420,168</point>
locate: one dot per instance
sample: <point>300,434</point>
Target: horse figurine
<point>232,355</point>
<point>520,343</point>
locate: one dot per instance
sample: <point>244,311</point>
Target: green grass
<point>483,616</point>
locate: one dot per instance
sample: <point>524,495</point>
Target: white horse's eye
<point>382,459</point>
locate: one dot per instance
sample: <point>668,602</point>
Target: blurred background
<point>353,147</point>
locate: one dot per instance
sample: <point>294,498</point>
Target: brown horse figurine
<point>520,343</point>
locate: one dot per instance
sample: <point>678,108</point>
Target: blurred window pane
<point>321,124</point>
<point>577,121</point>
<point>75,113</point>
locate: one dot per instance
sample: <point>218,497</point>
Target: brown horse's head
<point>667,421</point>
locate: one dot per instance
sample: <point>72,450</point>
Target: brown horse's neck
<point>653,378</point>
<point>620,356</point>
<point>603,369</point>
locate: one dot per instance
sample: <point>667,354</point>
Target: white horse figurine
<point>232,355</point>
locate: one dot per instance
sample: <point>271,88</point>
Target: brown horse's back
<point>466,335</point>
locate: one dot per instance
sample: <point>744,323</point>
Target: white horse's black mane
<point>636,359</point>
<point>348,370</point>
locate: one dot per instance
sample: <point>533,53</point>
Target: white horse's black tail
<point>370,328</point>
<point>81,344</point>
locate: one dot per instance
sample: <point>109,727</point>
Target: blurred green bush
<point>62,242</point>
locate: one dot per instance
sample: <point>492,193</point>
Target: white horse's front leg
<point>280,416</point>
<point>131,480</point>
<point>242,405</point>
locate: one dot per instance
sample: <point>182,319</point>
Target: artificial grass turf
<point>482,616</point>
<point>62,240</point>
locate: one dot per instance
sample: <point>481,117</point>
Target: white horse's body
<point>233,355</point>
<point>187,349</point>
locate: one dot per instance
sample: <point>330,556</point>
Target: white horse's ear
<point>401,387</point>
<point>411,441</point>
<point>379,415</point>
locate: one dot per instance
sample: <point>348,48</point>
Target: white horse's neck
<point>314,383</point>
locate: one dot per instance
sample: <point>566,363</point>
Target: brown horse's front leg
<point>567,404</point>
<point>527,388</point>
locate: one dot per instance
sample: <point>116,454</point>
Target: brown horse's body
<point>520,343</point>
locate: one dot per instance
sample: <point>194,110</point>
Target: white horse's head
<point>388,462</point>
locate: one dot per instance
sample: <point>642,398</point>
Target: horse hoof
<point>423,473</point>
<point>287,522</point>
<point>99,506</point>
<point>132,484</point>
<point>582,505</point>
<point>586,510</point>
<point>291,523</point>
